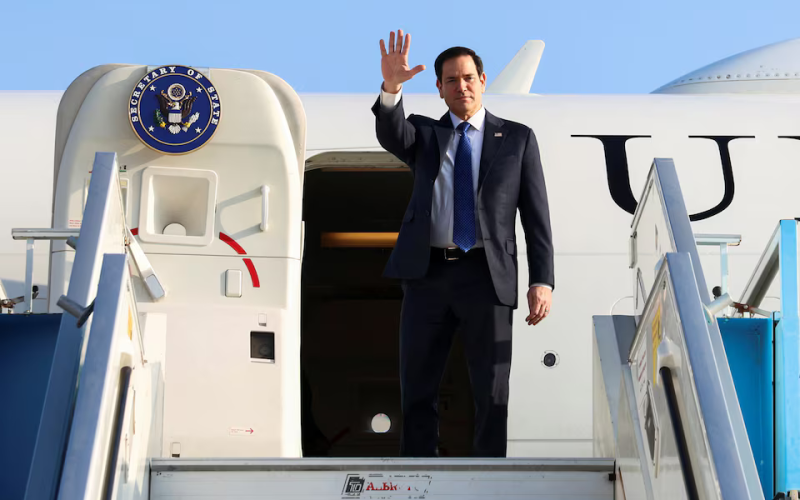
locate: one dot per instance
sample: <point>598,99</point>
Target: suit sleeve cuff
<point>543,285</point>
<point>389,101</point>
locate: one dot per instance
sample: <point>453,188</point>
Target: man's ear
<point>483,82</point>
<point>439,86</point>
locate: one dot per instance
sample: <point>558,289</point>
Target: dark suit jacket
<point>510,178</point>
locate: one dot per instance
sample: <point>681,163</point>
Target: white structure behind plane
<point>731,128</point>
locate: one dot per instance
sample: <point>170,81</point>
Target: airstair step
<point>389,478</point>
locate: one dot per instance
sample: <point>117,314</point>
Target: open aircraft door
<point>211,168</point>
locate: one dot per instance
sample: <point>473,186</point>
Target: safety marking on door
<point>241,431</point>
<point>130,324</point>
<point>251,268</point>
<point>232,243</point>
<point>656,339</point>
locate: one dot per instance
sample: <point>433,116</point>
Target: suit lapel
<point>444,132</point>
<point>493,136</point>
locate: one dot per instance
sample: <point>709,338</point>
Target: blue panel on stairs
<point>27,343</point>
<point>748,346</point>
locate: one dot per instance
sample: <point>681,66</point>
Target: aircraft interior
<point>351,318</point>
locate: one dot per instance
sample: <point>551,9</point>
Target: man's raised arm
<point>394,133</point>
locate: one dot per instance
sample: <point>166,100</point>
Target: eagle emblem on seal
<point>175,109</point>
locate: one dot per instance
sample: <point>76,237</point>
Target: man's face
<point>461,86</point>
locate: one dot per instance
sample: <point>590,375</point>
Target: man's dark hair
<point>454,52</point>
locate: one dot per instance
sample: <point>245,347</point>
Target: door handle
<point>264,207</point>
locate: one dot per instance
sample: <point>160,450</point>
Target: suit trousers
<point>455,294</point>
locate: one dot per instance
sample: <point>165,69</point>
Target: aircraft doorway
<point>351,316</point>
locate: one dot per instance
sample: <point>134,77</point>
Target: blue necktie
<point>463,196</point>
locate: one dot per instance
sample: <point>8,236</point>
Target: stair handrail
<point>781,258</point>
<point>102,231</point>
<point>31,236</point>
<point>662,205</point>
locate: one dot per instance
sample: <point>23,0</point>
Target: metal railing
<point>62,464</point>
<point>103,231</point>
<point>31,236</point>
<point>93,451</point>
<point>722,241</point>
<point>661,226</point>
<point>780,259</point>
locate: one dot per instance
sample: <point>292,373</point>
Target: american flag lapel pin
<point>498,134</point>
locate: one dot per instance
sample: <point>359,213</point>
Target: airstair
<point>123,397</point>
<point>675,416</point>
<point>688,411</point>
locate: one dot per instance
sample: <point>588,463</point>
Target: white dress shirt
<point>442,209</point>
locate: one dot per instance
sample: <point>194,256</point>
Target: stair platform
<point>383,478</point>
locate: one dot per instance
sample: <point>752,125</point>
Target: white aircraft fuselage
<point>737,155</point>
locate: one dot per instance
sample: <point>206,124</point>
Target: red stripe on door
<point>251,268</point>
<point>253,274</point>
<point>227,239</point>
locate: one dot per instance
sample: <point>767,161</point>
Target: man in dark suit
<point>457,252</point>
